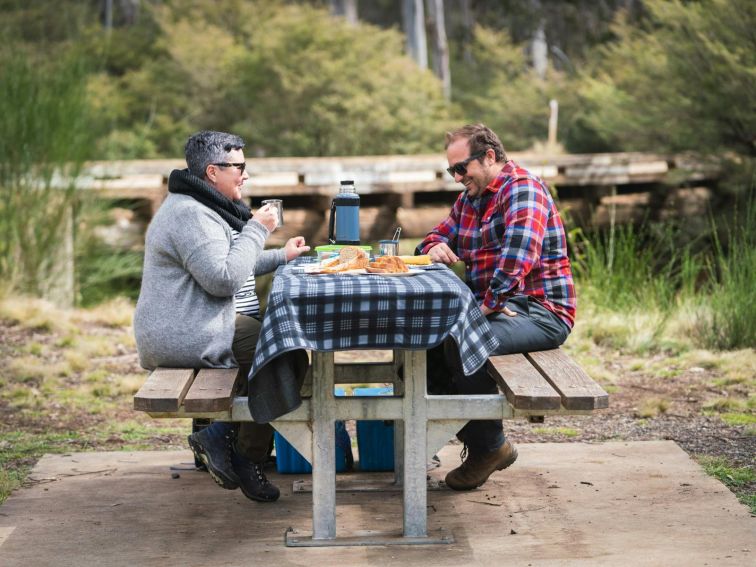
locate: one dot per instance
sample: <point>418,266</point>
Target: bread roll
<point>422,260</point>
<point>388,264</point>
<point>349,258</point>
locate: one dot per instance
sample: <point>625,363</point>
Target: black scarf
<point>235,213</point>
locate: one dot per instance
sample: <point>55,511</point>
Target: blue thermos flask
<point>344,225</point>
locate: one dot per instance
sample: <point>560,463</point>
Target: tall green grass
<point>650,270</point>
<point>629,268</point>
<point>729,322</point>
<point>44,137</point>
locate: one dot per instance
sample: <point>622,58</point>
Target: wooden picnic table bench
<point>534,385</point>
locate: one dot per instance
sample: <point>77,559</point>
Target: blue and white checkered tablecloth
<point>331,312</point>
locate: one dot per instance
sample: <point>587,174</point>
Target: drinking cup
<point>277,204</point>
<point>388,247</point>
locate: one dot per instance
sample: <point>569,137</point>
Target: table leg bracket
<point>293,538</point>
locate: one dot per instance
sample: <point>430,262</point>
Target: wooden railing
<point>415,192</point>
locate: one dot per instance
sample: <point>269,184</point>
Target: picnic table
<point>407,315</point>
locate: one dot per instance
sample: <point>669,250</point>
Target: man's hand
<point>506,310</point>
<point>268,217</point>
<point>442,253</point>
<point>486,310</point>
<point>295,247</point>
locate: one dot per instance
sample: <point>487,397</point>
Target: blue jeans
<point>535,328</point>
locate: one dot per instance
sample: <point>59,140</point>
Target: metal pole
<point>323,447</point>
<point>415,442</point>
<point>553,119</point>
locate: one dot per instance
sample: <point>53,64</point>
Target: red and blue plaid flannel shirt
<point>512,241</point>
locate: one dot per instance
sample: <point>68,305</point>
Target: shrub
<point>44,137</point>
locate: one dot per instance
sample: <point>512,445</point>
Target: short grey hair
<point>206,147</point>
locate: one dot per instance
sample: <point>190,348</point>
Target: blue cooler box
<point>375,438</point>
<point>290,461</point>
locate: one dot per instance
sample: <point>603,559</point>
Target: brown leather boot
<point>476,468</point>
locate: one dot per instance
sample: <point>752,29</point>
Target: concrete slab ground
<point>641,503</point>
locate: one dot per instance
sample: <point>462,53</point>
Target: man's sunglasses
<point>460,168</point>
<point>240,166</point>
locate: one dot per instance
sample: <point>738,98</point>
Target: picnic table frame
<point>425,424</point>
<point>532,385</point>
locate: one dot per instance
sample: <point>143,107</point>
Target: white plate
<point>315,271</point>
<point>397,274</point>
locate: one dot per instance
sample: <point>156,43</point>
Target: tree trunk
<point>130,11</point>
<point>108,15</point>
<point>440,47</point>
<point>345,8</point>
<point>468,22</point>
<point>413,14</point>
<point>540,52</point>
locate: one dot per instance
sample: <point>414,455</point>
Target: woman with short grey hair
<point>197,306</point>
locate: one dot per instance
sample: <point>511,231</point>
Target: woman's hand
<point>267,216</point>
<point>295,247</point>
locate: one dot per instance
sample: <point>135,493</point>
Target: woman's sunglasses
<point>240,166</point>
<point>460,168</point>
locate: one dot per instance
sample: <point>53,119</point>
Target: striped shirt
<point>512,241</point>
<point>245,300</point>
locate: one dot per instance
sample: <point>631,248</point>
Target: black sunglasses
<point>460,168</point>
<point>240,166</point>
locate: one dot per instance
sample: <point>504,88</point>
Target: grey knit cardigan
<point>185,314</point>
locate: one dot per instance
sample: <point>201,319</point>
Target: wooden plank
<point>523,386</point>
<point>164,390</point>
<point>578,390</point>
<point>212,390</point>
<point>365,372</point>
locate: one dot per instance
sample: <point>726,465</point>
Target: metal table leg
<point>323,448</point>
<point>323,416</point>
<point>415,433</point>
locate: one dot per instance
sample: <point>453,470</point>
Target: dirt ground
<point>682,421</point>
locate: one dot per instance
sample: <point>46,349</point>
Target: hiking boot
<point>252,480</point>
<point>477,467</point>
<point>212,446</point>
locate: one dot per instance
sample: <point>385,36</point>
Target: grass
<point>733,477</point>
<point>63,381</point>
<point>647,292</point>
<point>738,418</point>
<point>652,407</point>
<point>557,431</point>
<point>729,321</point>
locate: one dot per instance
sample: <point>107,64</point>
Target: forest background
<point>132,79</point>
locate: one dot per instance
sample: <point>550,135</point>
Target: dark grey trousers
<point>534,328</point>
<point>253,439</point>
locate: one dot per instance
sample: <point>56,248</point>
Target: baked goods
<point>421,260</point>
<point>349,258</point>
<point>387,265</point>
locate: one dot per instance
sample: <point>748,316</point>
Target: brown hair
<point>480,138</point>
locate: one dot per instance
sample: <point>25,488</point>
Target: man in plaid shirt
<point>506,229</point>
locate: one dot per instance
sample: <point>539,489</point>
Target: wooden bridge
<point>415,192</point>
